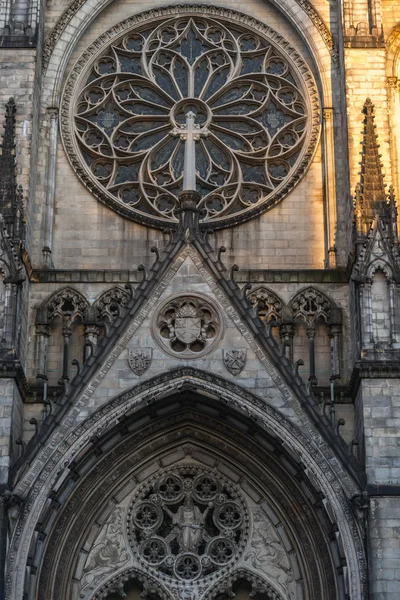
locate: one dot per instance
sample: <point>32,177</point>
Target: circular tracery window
<point>188,524</point>
<point>254,102</point>
<point>188,326</point>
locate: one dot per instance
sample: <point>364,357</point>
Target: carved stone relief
<point>188,326</point>
<point>235,360</point>
<point>186,531</point>
<point>266,554</point>
<point>111,303</point>
<point>140,359</point>
<point>188,524</point>
<point>267,303</point>
<point>108,553</point>
<point>310,305</point>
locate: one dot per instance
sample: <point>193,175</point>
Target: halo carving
<point>128,96</point>
<point>188,524</point>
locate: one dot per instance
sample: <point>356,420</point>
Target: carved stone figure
<point>189,521</point>
<point>108,553</point>
<point>188,524</point>
<point>268,555</point>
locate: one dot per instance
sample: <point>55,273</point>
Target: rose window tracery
<point>188,525</point>
<point>245,87</point>
<point>188,326</point>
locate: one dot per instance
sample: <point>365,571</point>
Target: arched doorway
<point>188,498</point>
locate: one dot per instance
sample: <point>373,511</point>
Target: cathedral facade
<point>199,300</point>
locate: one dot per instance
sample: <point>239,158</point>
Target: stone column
<point>329,188</point>
<point>311,348</point>
<point>366,314</point>
<point>286,331</point>
<point>43,335</point>
<point>392,310</point>
<point>91,332</point>
<point>287,334</point>
<point>334,332</point>
<point>10,304</point>
<point>66,333</point>
<point>51,186</point>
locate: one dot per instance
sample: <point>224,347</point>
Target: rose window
<point>253,99</point>
<point>188,524</point>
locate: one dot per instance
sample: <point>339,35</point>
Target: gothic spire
<point>370,196</point>
<point>11,197</point>
<point>372,188</point>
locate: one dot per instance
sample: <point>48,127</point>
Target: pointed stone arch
<point>317,327</point>
<point>310,304</point>
<point>59,316</point>
<point>92,438</point>
<point>268,304</point>
<point>110,303</point>
<point>65,301</point>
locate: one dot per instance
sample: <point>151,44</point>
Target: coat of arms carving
<point>188,326</point>
<point>235,360</point>
<point>140,359</point>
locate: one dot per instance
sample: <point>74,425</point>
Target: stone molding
<point>260,276</point>
<point>70,12</point>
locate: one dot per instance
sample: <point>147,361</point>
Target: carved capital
<point>42,329</point>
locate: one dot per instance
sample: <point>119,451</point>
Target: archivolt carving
<point>245,85</point>
<point>68,14</point>
<point>393,55</point>
<point>116,458</point>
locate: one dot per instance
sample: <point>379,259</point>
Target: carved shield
<point>235,360</point>
<point>140,359</point>
<point>187,329</point>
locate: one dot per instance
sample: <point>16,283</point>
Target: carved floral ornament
<point>128,96</point>
<point>188,326</point>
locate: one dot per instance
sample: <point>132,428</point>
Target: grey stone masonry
<point>381,407</point>
<point>384,548</point>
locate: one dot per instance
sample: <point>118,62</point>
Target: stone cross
<point>190,133</point>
